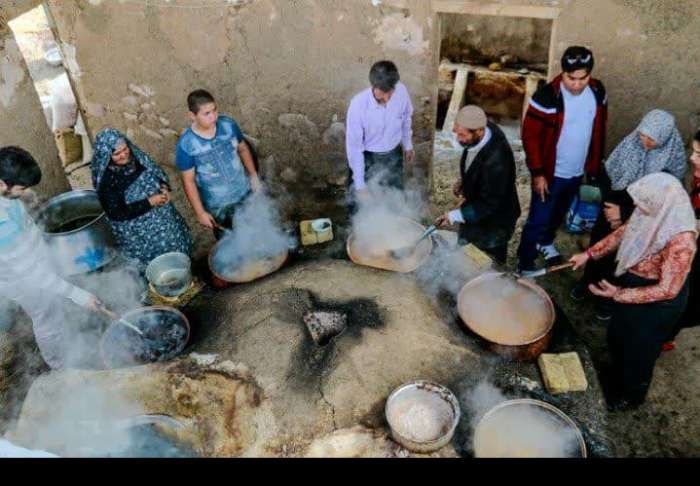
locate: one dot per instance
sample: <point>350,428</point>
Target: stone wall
<point>486,38</point>
<point>22,122</point>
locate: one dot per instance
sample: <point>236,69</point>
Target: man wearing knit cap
<point>490,209</point>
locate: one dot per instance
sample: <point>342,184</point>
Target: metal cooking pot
<point>523,351</point>
<point>170,274</point>
<point>493,415</point>
<point>77,232</point>
<point>247,272</point>
<point>166,332</point>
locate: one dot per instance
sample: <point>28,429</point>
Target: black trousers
<point>635,336</point>
<point>386,167</point>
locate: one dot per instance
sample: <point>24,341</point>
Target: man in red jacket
<point>564,137</point>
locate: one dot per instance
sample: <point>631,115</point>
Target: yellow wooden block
<point>574,371</point>
<point>309,236</point>
<point>478,257</point>
<point>562,373</point>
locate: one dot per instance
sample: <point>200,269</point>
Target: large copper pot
<point>378,254</point>
<point>247,272</point>
<point>517,324</point>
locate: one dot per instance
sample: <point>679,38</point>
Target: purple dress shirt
<point>372,127</point>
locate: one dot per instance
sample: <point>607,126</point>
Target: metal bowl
<point>535,444</point>
<point>422,432</point>
<point>77,232</point>
<point>170,274</point>
<point>166,332</point>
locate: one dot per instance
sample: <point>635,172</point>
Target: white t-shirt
<point>576,134</point>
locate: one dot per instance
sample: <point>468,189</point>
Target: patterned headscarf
<point>668,213</point>
<point>105,143</point>
<point>629,162</point>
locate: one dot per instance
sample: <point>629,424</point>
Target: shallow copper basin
<point>378,254</point>
<point>515,318</point>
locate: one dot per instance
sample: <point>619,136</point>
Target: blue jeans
<point>545,218</point>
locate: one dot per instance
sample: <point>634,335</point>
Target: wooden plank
<point>457,100</point>
<point>509,73</point>
<point>475,8</point>
<point>531,84</point>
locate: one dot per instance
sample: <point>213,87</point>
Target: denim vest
<point>219,173</point>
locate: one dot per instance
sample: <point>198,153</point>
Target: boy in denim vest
<point>216,164</point>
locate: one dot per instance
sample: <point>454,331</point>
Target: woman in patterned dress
<point>655,251</point>
<point>135,195</point>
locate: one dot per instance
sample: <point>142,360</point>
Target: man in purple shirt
<point>379,133</point>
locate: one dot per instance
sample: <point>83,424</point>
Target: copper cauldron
<point>377,253</point>
<point>245,272</point>
<point>514,317</point>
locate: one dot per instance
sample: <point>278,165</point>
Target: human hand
<point>613,213</point>
<point>159,199</point>
<point>409,155</point>
<point>540,187</point>
<point>443,221</point>
<point>363,195</point>
<point>580,260</point>
<point>255,183</point>
<point>457,188</point>
<point>206,220</point>
<point>604,289</point>
<point>96,305</point>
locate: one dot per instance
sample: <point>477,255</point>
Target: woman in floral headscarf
<point>655,146</point>
<point>655,251</point>
<point>135,194</point>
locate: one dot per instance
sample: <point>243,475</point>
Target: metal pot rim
<point>539,290</point>
<point>141,310</point>
<point>65,197</point>
<point>211,266</point>
<point>355,260</point>
<point>450,398</point>
<point>535,403</point>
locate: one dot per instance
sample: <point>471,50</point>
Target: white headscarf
<point>630,161</point>
<point>663,210</point>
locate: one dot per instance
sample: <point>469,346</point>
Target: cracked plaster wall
<point>22,122</point>
<point>286,70</point>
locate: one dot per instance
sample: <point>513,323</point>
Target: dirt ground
<point>665,426</point>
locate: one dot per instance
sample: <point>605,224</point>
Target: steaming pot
<point>482,439</point>
<point>77,232</point>
<point>472,297</point>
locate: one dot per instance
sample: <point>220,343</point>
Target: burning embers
<point>325,325</point>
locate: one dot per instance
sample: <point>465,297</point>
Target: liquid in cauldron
<point>164,336</point>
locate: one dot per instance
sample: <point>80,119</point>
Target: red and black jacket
<point>543,124</point>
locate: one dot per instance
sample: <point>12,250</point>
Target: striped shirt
<point>24,258</point>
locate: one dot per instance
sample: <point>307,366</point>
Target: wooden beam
<point>531,85</point>
<point>477,8</point>
<point>457,100</point>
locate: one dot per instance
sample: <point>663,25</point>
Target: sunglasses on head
<point>579,58</point>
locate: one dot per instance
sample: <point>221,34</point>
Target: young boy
<point>24,259</point>
<point>216,163</point>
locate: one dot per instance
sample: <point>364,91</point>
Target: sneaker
<point>551,254</point>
